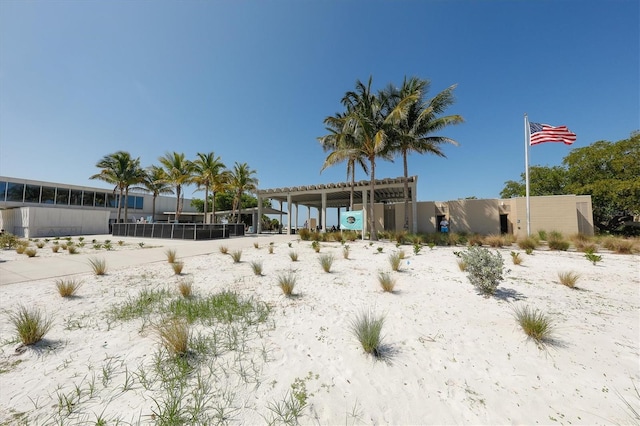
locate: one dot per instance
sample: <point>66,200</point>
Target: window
<point>15,191</point>
<point>139,203</point>
<point>100,199</point>
<point>32,194</point>
<point>112,200</point>
<point>3,190</point>
<point>48,195</point>
<point>87,198</point>
<point>63,196</point>
<point>76,198</point>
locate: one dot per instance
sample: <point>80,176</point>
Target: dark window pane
<point>15,191</point>
<point>76,198</point>
<point>32,194</point>
<point>113,200</point>
<point>48,195</point>
<point>87,198</point>
<point>3,190</point>
<point>63,196</point>
<point>139,203</point>
<point>131,201</point>
<point>100,199</point>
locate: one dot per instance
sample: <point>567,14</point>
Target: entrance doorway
<point>504,224</point>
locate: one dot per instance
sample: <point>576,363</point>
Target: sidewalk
<point>39,268</point>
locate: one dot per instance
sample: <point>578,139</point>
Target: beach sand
<point>451,356</point>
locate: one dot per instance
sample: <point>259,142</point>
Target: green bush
<point>484,269</point>
<point>8,241</point>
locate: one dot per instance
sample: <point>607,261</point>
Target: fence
<point>180,231</point>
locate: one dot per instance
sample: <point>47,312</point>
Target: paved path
<point>26,269</point>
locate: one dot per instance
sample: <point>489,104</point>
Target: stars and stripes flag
<point>541,133</point>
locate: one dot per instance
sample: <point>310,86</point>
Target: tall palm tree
<point>242,180</point>
<point>207,168</point>
<point>343,147</point>
<point>179,172</point>
<point>156,182</point>
<point>412,131</point>
<point>121,170</point>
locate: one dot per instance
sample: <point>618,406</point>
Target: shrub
<point>515,257</point>
<point>223,249</point>
<point>535,324</point>
<point>99,266</point>
<point>121,243</point>
<point>172,255</point>
<point>462,265</point>
<point>326,260</point>
<point>475,240</point>
<point>256,266</point>
<point>20,248</point>
<point>256,245</point>
<point>585,246</point>
<point>97,246</point>
<point>68,288</point>
<point>316,246</point>
<point>417,247</point>
<point>55,248</point>
<point>30,325</point>
<point>557,243</point>
<point>568,279</point>
<point>72,249</point>
<point>31,252</point>
<point>236,255</point>
<point>484,269</point>
<point>293,255</point>
<point>185,288</point>
<point>287,281</point>
<point>367,328</point>
<point>107,245</point>
<point>623,246</point>
<point>529,243</point>
<point>379,249</point>
<point>40,244</point>
<point>177,267</point>
<point>395,260</point>
<point>494,240</point>
<point>386,281</point>
<point>174,335</point>
<point>305,234</point>
<point>8,241</point>
<point>400,237</point>
<point>542,235</point>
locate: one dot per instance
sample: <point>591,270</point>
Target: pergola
<point>337,195</point>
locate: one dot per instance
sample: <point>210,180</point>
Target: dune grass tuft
<point>293,255</point>
<point>236,255</point>
<point>387,282</point>
<point>31,252</point>
<point>256,267</point>
<point>223,249</point>
<point>568,279</point>
<point>326,260</point>
<point>68,287</point>
<point>30,325</point>
<point>515,257</point>
<point>99,265</point>
<point>534,323</point>
<point>395,260</point>
<point>185,288</point>
<point>367,328</point>
<point>345,251</point>
<point>174,335</point>
<point>172,255</point>
<point>177,266</point>
<point>287,281</point>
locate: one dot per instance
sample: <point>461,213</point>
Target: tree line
<point>206,171</point>
<point>608,171</point>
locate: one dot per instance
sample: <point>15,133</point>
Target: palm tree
<point>179,172</point>
<point>343,147</point>
<point>156,182</point>
<point>241,181</point>
<point>121,170</point>
<point>207,169</point>
<point>412,131</point>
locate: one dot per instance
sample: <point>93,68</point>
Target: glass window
<point>32,194</point>
<point>100,199</point>
<point>112,200</point>
<point>131,201</point>
<point>3,190</point>
<point>15,191</point>
<point>62,196</point>
<point>48,195</point>
<point>139,203</point>
<point>87,198</point>
<point>76,198</point>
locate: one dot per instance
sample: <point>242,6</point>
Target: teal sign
<point>351,220</point>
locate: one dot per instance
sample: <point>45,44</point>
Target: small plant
<point>528,250</point>
<point>185,288</point>
<point>8,241</point>
<point>172,255</point>
<point>326,260</point>
<point>484,269</point>
<point>55,248</point>
<point>542,235</point>
<point>345,251</point>
<point>316,246</point>
<point>462,265</point>
<point>97,246</point>
<point>107,245</point>
<point>287,281</point>
<point>121,243</point>
<point>401,254</point>
<point>416,248</point>
<point>528,243</point>
<point>592,257</point>
<point>367,328</point>
<point>30,325</point>
<point>236,255</point>
<point>535,324</point>
<point>386,282</point>
<point>140,244</point>
<point>289,244</point>
<point>72,249</point>
<point>21,247</point>
<point>256,245</point>
<point>177,267</point>
<point>515,257</point>
<point>99,266</point>
<point>174,335</point>
<point>293,255</point>
<point>558,244</point>
<point>379,249</point>
<point>568,278</point>
<point>223,249</point>
<point>494,240</point>
<point>68,288</point>
<point>394,261</point>
<point>40,244</point>
<point>270,248</point>
<point>31,252</point>
<point>256,267</point>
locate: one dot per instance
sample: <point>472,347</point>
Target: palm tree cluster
<point>392,122</point>
<point>207,172</point>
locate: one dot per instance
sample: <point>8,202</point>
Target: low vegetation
<point>256,267</point>
<point>326,261</point>
<point>367,328</point>
<point>387,282</point>
<point>395,260</point>
<point>30,324</point>
<point>287,282</point>
<point>172,255</point>
<point>568,279</point>
<point>534,323</point>
<point>68,287</point>
<point>98,265</point>
<point>484,269</point>
<point>236,255</point>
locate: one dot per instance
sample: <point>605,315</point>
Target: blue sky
<point>254,80</point>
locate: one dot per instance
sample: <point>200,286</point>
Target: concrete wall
<point>34,222</point>
<point>474,216</point>
<point>568,214</point>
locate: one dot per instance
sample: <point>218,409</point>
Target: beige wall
<point>568,214</point>
<point>474,216</point>
<point>33,222</point>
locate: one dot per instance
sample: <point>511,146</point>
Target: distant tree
<point>242,180</point>
<point>156,182</point>
<point>207,169</point>
<point>542,181</point>
<point>179,172</point>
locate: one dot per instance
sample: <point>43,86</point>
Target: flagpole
<point>527,137</point>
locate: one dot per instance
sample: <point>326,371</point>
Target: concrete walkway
<point>26,269</point>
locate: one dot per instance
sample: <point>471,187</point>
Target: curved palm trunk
<point>406,190</point>
<point>370,220</point>
<point>206,201</point>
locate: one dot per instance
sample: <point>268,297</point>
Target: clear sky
<point>254,80</point>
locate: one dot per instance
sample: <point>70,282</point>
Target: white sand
<point>453,356</point>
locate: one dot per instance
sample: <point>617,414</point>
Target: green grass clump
<point>394,261</point>
<point>367,328</point>
<point>172,255</point>
<point>256,267</point>
<point>174,335</point>
<point>558,243</point>
<point>68,287</point>
<point>592,257</point>
<point>98,265</point>
<point>30,325</point>
<point>316,246</point>
<point>534,323</point>
<point>236,255</point>
<point>568,279</point>
<point>326,260</point>
<point>286,282</point>
<point>387,282</point>
<point>224,307</point>
<point>528,243</point>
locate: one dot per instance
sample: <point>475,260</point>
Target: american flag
<point>544,133</point>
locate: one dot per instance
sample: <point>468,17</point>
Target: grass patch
<point>345,251</point>
<point>224,307</point>
<point>534,323</point>
<point>293,255</point>
<point>223,249</point>
<point>568,279</point>
<point>30,325</point>
<point>236,255</point>
<point>256,267</point>
<point>185,288</point>
<point>394,261</point>
<point>172,255</point>
<point>286,282</point>
<point>367,328</point>
<point>177,267</point>
<point>174,335</point>
<point>387,282</point>
<point>55,248</point>
<point>146,302</point>
<point>72,249</point>
<point>326,260</point>
<point>98,265</point>
<point>68,287</point>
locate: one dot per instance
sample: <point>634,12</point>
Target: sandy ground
<point>451,356</point>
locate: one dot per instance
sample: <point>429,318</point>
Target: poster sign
<point>351,220</point>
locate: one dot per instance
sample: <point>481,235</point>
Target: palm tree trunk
<point>126,205</point>
<point>406,191</point>
<point>120,205</point>
<point>178,189</point>
<point>206,201</point>
<point>153,208</point>
<point>213,207</point>
<point>370,219</point>
<point>353,181</point>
